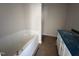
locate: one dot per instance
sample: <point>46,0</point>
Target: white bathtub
<point>30,47</point>
<point>20,43</point>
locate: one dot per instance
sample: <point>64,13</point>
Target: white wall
<point>11,25</point>
<point>11,19</point>
<point>54,16</point>
<point>34,18</point>
<point>72,17</point>
<point>27,15</point>
<point>15,18</point>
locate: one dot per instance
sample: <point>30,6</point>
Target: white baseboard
<point>50,35</point>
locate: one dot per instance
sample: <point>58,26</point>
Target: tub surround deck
<point>15,42</point>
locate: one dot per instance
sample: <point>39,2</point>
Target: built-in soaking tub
<point>30,47</point>
<point>21,44</point>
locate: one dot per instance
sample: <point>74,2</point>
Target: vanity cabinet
<point>62,49</point>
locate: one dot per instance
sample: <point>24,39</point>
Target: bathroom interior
<point>39,29</point>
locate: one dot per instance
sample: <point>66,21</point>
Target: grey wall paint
<point>72,17</point>
<point>17,17</point>
<point>11,18</point>
<point>27,14</point>
<point>33,18</point>
<point>54,16</point>
<point>14,19</point>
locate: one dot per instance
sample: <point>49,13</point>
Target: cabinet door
<point>61,48</point>
<point>66,51</point>
<point>58,45</point>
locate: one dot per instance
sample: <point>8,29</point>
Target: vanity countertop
<point>71,41</point>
